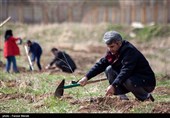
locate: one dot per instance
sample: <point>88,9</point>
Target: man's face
<point>54,52</point>
<point>114,47</point>
<point>29,44</point>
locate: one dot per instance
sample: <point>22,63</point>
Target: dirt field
<point>93,104</point>
<point>88,105</point>
<point>86,51</point>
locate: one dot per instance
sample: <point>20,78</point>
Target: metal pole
<point>29,59</point>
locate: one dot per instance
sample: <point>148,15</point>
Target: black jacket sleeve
<point>99,67</point>
<point>53,61</point>
<point>129,61</point>
<point>56,58</point>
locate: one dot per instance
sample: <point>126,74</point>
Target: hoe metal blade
<point>60,89</point>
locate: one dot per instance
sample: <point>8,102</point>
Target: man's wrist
<point>116,83</point>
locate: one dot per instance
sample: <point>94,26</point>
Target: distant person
<point>62,60</point>
<point>35,51</point>
<point>126,69</point>
<point>11,50</point>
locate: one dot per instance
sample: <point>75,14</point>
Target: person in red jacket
<point>11,50</point>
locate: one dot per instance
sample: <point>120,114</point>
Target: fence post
<point>113,15</point>
<point>95,14</point>
<point>33,19</point>
<point>155,12</point>
<point>133,12</point>
<point>122,15</point>
<point>70,14</point>
<point>20,11</point>
<point>165,20</point>
<point>143,10</point>
<point>106,14</point>
<point>45,13</point>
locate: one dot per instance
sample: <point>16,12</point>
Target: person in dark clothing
<point>62,60</point>
<point>126,69</point>
<point>36,51</point>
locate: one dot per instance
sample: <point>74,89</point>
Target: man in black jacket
<point>126,69</point>
<point>36,51</point>
<point>62,60</point>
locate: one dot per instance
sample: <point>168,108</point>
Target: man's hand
<point>47,67</point>
<point>110,90</point>
<point>19,41</point>
<point>83,81</point>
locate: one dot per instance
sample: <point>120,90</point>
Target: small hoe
<point>60,89</point>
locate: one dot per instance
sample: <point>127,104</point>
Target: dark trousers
<point>37,58</point>
<point>11,59</point>
<point>140,92</point>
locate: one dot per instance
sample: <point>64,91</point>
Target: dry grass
<point>88,38</point>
